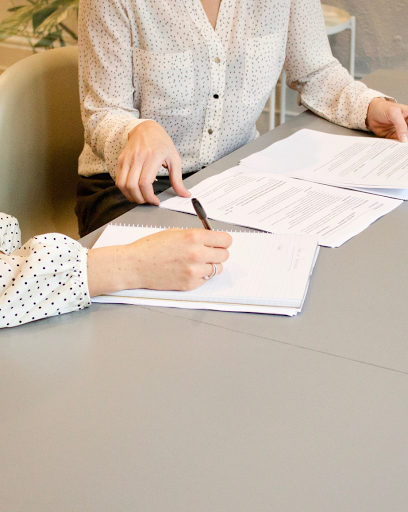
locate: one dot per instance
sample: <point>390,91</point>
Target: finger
<point>213,255</point>
<point>120,182</point>
<point>207,238</point>
<point>149,172</point>
<point>400,124</point>
<point>132,183</point>
<point>221,239</point>
<point>209,270</point>
<point>176,176</point>
<point>217,239</point>
<point>404,110</point>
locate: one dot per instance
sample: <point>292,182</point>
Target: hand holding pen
<point>203,217</point>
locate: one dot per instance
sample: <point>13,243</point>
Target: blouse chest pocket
<point>264,58</point>
<point>164,82</point>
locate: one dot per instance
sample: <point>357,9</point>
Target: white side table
<point>336,20</point>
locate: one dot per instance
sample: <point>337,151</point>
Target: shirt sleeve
<point>106,78</point>
<point>325,86</point>
<point>10,235</point>
<point>45,277</point>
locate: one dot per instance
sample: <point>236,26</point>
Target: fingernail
<point>404,138</point>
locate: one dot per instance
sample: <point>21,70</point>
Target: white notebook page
<point>263,269</point>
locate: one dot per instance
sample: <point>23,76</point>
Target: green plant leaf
<point>70,32</point>
<point>49,40</point>
<point>54,19</point>
<point>46,18</point>
<point>40,16</point>
<point>17,22</point>
<point>16,8</point>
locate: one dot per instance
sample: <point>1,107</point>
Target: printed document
<point>283,205</point>
<point>374,165</point>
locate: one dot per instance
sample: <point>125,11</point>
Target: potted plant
<point>41,20</point>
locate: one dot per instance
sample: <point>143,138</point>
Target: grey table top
<point>152,409</point>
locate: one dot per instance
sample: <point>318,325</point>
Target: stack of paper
<point>372,165</point>
<point>264,274</point>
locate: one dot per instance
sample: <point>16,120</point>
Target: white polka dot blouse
<point>162,60</point>
<point>45,277</point>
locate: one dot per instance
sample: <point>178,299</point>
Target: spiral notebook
<point>265,273</point>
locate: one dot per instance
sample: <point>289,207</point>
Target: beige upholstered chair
<point>41,137</point>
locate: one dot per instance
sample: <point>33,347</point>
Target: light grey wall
<point>382,34</point>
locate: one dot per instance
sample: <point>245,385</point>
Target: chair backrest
<point>41,137</point>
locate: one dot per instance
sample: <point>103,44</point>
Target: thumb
<point>400,123</point>
<point>175,175</point>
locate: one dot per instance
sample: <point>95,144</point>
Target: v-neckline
<point>214,29</point>
<point>222,30</point>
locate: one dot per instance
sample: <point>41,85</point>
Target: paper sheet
<point>215,306</point>
<point>363,163</point>
<point>280,204</point>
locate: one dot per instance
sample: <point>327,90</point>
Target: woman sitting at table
<point>53,274</point>
<point>170,86</point>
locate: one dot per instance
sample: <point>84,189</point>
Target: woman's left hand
<point>388,119</point>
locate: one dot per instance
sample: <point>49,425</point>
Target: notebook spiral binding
<point>178,227</point>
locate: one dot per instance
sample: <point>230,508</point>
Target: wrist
<point>145,124</point>
<point>371,106</point>
<point>110,269</point>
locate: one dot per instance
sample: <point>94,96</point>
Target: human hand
<point>148,148</point>
<point>174,259</point>
<point>387,119</point>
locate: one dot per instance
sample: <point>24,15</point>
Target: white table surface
<point>124,408</point>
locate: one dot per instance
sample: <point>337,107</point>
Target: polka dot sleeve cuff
<point>46,277</point>
<point>10,235</point>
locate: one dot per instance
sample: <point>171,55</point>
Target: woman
<point>53,274</point>
<point>170,86</point>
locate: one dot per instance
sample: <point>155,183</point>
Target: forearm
<point>106,78</point>
<point>110,269</point>
<point>334,95</point>
<point>324,85</point>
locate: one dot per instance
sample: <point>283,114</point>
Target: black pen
<point>201,213</point>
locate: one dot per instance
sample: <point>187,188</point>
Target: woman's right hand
<point>174,259</point>
<point>149,147</point>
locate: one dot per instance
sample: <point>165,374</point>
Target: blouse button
<point>217,60</point>
<point>210,131</point>
<point>216,96</point>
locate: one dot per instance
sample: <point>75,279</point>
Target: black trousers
<point>100,201</point>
